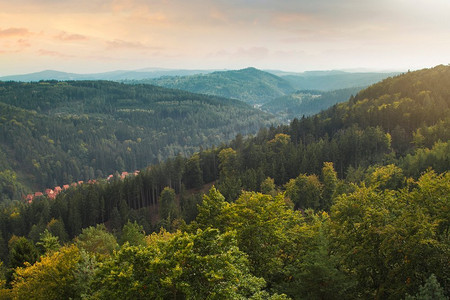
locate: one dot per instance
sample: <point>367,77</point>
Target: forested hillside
<point>54,133</point>
<point>352,203</point>
<point>333,80</point>
<point>306,102</point>
<point>249,85</point>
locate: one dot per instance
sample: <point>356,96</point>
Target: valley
<point>343,192</point>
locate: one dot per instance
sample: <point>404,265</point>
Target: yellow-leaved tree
<point>51,278</point>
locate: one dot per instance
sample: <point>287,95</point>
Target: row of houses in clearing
<point>52,193</point>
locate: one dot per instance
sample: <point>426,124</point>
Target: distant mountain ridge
<point>334,80</point>
<point>249,85</point>
<point>113,75</point>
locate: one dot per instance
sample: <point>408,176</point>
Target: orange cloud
<point>120,44</point>
<point>23,43</point>
<point>252,52</point>
<point>9,32</point>
<point>44,52</point>
<point>64,36</point>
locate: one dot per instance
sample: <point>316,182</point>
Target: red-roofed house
<point>57,189</point>
<point>38,194</point>
<point>66,186</point>
<point>30,198</point>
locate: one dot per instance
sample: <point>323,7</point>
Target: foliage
<point>21,251</point>
<point>168,208</point>
<point>54,133</point>
<point>48,242</point>
<point>97,240</point>
<point>268,187</point>
<point>305,191</point>
<point>380,233</point>
<point>52,277</point>
<point>389,237</point>
<point>431,290</point>
<point>133,234</point>
<point>204,265</point>
<point>211,210</point>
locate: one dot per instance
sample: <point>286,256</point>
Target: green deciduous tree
<point>21,251</point>
<point>305,191</point>
<point>204,265</point>
<point>97,240</point>
<point>268,187</point>
<point>392,239</point>
<point>330,183</point>
<point>168,208</point>
<point>48,242</point>
<point>52,277</point>
<point>133,234</point>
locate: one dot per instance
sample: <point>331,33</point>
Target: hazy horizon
<point>99,36</point>
<point>149,69</point>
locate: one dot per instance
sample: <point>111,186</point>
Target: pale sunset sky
<point>87,36</point>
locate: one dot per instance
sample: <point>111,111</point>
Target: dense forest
<point>249,85</point>
<point>333,80</point>
<point>258,87</point>
<point>307,102</point>
<point>54,133</point>
<point>351,203</point>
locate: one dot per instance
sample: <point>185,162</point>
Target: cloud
<point>22,43</point>
<point>64,36</point>
<point>44,52</point>
<point>120,44</point>
<point>9,32</point>
<point>248,53</point>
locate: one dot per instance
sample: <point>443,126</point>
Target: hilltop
<point>334,80</point>
<point>249,85</point>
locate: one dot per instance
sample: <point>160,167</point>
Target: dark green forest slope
<point>352,203</point>
<point>249,85</point>
<point>53,133</point>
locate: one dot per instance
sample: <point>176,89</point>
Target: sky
<point>88,36</point>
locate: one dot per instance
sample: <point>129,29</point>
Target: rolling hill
<point>250,85</point>
<point>334,80</point>
<point>306,102</point>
